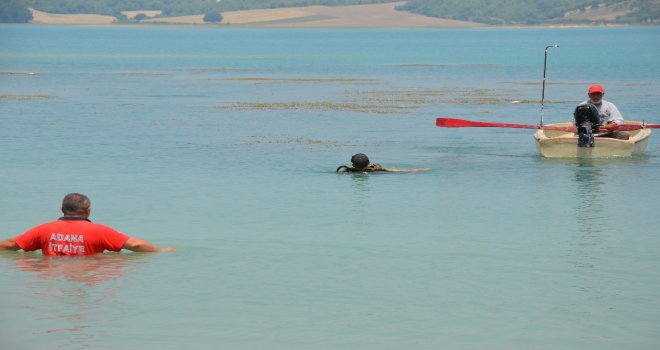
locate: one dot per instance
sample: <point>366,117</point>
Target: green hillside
<point>497,12</point>
<point>494,12</point>
<point>16,10</point>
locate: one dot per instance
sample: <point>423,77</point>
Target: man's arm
<point>615,116</point>
<point>9,244</point>
<point>140,245</point>
<point>406,170</point>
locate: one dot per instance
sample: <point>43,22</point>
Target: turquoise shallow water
<point>223,143</point>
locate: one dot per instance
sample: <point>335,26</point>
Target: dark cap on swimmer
<point>360,160</point>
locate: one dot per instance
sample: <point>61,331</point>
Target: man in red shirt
<point>74,234</point>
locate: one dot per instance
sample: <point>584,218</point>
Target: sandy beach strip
<point>369,16</point>
<point>39,17</point>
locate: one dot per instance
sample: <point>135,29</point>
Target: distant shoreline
<point>375,16</point>
<point>353,16</point>
<point>384,16</point>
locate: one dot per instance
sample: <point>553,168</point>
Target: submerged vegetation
<point>26,97</point>
<point>307,142</point>
<point>393,102</point>
<point>321,106</point>
<point>304,80</point>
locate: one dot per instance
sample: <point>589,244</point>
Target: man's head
<point>596,93</point>
<point>76,204</point>
<point>360,161</point>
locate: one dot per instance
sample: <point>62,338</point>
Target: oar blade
<point>454,123</point>
<point>461,123</point>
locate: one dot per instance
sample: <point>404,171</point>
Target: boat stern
<point>562,144</point>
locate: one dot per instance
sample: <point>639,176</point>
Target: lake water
<point>223,143</point>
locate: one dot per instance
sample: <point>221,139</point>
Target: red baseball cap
<point>596,88</point>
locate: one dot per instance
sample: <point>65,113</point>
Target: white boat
<point>552,142</point>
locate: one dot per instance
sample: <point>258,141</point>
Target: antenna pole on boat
<point>545,64</point>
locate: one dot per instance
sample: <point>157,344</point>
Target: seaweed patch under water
<point>307,142</point>
<point>323,106</point>
<point>459,96</point>
<point>17,73</point>
<point>487,101</point>
<point>26,97</point>
<point>444,95</point>
<point>304,80</point>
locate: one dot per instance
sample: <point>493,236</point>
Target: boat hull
<point>563,144</point>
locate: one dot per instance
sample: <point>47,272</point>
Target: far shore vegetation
<point>490,12</point>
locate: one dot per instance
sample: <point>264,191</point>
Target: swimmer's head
<point>360,161</point>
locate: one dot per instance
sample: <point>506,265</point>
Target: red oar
<point>630,127</point>
<point>460,123</point>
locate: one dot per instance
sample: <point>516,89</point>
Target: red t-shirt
<point>71,236</point>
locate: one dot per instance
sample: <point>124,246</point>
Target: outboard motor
<point>587,121</point>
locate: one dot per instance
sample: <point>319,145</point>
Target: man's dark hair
<point>75,203</point>
<point>360,160</point>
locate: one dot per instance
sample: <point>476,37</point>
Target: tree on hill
<point>214,17</point>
